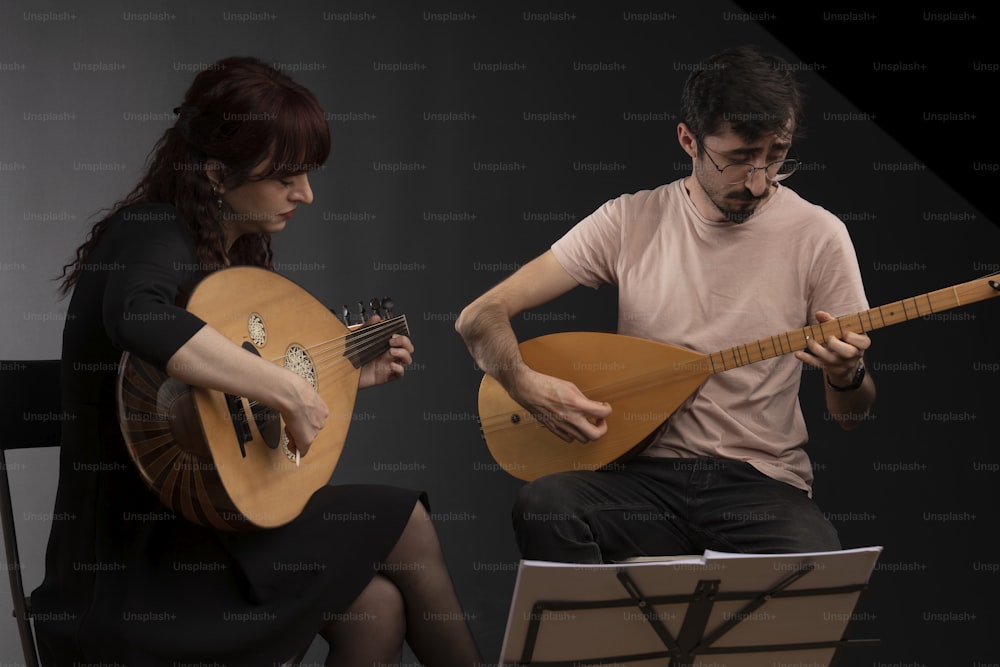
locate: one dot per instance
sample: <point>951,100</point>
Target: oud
<point>220,460</point>
<point>646,381</point>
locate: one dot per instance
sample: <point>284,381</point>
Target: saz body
<point>646,381</point>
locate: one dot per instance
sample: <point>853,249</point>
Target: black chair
<point>31,417</point>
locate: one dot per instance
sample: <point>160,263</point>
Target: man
<point>724,256</point>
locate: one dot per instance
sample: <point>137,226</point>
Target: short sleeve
<point>589,251</point>
<point>836,285</point>
<point>151,267</point>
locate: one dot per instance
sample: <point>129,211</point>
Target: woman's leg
<point>436,626</point>
<point>412,598</point>
<point>371,631</point>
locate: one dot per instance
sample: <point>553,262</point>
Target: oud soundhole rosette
<point>298,361</point>
<point>256,330</point>
<point>289,454</point>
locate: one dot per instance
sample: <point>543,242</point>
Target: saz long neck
<point>866,320</point>
<point>365,343</point>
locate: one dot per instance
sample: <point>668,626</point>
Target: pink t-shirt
<point>707,286</point>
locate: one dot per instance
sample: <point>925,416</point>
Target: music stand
<point>719,609</point>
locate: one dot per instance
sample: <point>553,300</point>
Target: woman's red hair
<point>238,113</point>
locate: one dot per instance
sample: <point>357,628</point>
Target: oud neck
<point>915,307</point>
<point>366,342</point>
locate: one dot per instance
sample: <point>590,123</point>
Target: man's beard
<point>734,215</point>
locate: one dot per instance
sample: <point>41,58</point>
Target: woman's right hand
<point>304,414</point>
<point>209,359</point>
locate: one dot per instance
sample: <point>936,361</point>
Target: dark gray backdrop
<point>466,139</point>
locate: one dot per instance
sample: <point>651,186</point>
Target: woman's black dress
<point>126,581</point>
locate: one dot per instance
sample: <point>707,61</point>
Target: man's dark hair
<point>751,92</point>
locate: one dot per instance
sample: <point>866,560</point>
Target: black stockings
<point>411,598</point>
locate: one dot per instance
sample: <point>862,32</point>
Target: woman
<point>127,581</point>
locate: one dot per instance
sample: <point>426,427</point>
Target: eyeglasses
<point>739,172</point>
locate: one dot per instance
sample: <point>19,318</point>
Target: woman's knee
<point>381,597</point>
<point>379,607</point>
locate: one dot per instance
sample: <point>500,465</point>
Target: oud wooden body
<point>183,439</point>
<point>646,381</point>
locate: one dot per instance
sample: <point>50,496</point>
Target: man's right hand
<point>561,406</point>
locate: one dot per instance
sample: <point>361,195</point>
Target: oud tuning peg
<point>362,313</point>
<point>387,306</point>
<point>345,315</point>
<point>376,305</point>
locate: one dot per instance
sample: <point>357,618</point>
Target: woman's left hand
<point>391,364</point>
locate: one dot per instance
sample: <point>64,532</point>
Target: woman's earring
<point>218,198</point>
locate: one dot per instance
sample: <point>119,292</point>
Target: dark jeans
<point>666,507</point>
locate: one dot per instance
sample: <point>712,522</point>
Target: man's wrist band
<point>859,377</point>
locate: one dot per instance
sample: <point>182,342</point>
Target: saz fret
<point>639,376</point>
<point>223,461</point>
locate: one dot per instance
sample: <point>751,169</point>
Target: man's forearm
<point>850,408</point>
<point>490,339</point>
